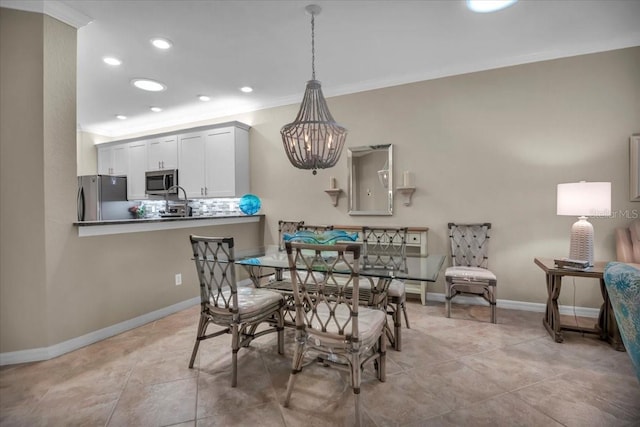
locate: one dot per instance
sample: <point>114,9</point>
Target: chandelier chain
<point>313,140</point>
<point>313,47</point>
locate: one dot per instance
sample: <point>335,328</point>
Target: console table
<point>606,328</point>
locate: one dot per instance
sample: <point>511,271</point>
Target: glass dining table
<point>267,267</point>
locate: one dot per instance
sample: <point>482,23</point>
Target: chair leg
<point>355,384</point>
<point>202,326</point>
<point>493,303</point>
<point>447,299</point>
<point>281,331</point>
<point>235,347</point>
<point>397,329</point>
<point>356,398</point>
<point>406,316</point>
<point>382,361</point>
<point>296,368</point>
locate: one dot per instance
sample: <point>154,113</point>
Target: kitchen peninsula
<point>119,226</point>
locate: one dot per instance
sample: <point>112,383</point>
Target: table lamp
<point>583,199</point>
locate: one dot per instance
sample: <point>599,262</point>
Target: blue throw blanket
<point>623,285</point>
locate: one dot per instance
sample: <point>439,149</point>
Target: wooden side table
<point>606,328</point>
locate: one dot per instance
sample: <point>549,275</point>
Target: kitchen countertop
<point>118,226</point>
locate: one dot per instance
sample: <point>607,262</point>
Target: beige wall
<point>22,213</point>
<point>487,146</point>
<point>87,153</point>
<point>55,286</point>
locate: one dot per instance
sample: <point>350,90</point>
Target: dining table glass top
<point>419,268</point>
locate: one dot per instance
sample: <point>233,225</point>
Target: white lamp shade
<point>584,199</point>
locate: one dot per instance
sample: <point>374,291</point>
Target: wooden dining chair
<point>287,227</point>
<point>470,272</point>
<point>238,310</point>
<point>329,319</point>
<point>386,247</point>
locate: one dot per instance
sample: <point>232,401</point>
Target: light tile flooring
<point>461,371</point>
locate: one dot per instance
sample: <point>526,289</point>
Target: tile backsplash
<point>200,207</point>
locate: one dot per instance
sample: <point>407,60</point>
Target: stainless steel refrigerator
<point>102,198</point>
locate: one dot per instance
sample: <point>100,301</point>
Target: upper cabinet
<point>214,162</point>
<point>162,153</point>
<point>137,168</point>
<point>113,160</point>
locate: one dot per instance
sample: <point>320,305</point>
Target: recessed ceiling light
<point>111,60</point>
<point>204,98</point>
<point>161,43</point>
<point>147,84</point>
<point>484,6</point>
<point>246,89</point>
<point>156,109</point>
<point>121,117</point>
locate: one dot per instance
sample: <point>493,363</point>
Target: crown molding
<point>54,8</point>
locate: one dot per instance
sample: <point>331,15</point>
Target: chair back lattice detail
<point>214,260</point>
<point>287,227</point>
<point>469,244</point>
<point>385,247</point>
<point>327,304</point>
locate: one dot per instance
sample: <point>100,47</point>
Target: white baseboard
<point>517,305</point>
<point>45,353</point>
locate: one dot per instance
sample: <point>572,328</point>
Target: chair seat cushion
<point>251,301</point>
<point>396,288</point>
<point>371,323</point>
<point>470,274</point>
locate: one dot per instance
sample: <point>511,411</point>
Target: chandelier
<point>313,140</point>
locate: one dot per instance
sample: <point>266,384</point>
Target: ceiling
<point>220,46</point>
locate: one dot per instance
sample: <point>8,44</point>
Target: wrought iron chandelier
<point>313,140</point>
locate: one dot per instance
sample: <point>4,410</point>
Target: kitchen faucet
<point>166,196</point>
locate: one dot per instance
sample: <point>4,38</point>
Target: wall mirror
<point>370,182</point>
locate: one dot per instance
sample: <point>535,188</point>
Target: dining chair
<point>287,227</point>
<point>470,273</point>
<point>238,310</point>
<point>329,319</point>
<point>386,247</point>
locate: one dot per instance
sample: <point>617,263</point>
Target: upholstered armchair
<point>628,243</point>
<point>622,279</point>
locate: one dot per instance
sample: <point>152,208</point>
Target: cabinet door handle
<point>201,191</point>
<point>206,191</point>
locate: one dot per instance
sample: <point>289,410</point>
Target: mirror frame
<point>351,178</point>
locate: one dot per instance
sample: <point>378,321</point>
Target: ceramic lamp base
<point>581,247</point>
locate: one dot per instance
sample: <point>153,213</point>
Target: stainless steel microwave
<point>157,183</point>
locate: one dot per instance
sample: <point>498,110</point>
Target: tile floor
<point>462,371</point>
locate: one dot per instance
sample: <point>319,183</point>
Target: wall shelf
<point>406,192</point>
<point>334,193</point>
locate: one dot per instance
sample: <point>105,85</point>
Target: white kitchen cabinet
<point>162,153</point>
<point>214,162</point>
<point>113,159</point>
<point>191,164</point>
<point>137,152</point>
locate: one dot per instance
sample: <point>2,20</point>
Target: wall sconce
<point>407,188</point>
